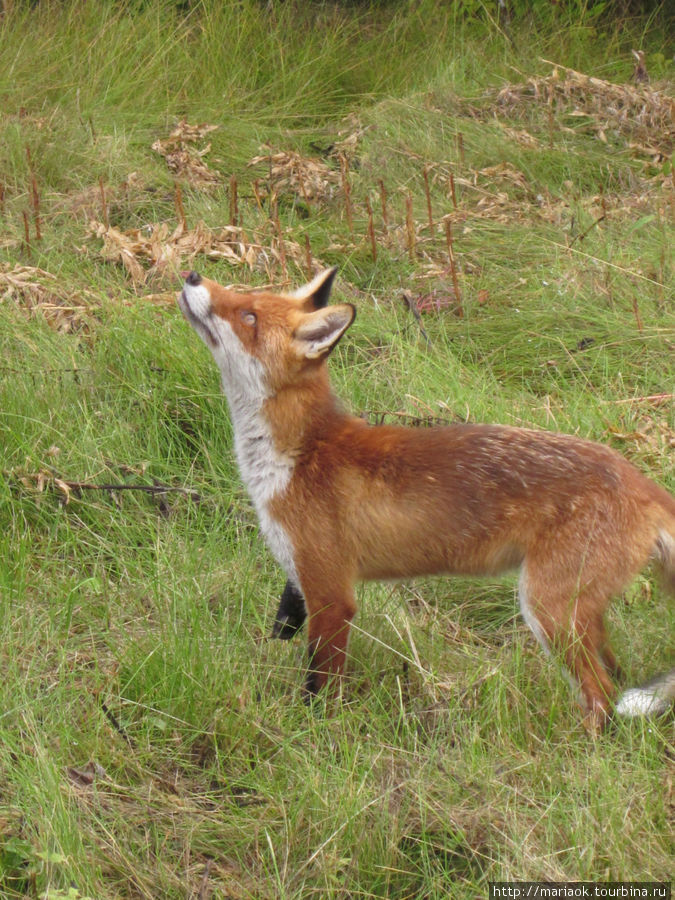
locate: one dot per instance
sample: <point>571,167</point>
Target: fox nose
<point>193,278</point>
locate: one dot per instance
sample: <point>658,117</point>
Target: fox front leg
<point>329,621</point>
<point>291,613</point>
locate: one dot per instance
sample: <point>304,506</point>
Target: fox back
<point>340,501</point>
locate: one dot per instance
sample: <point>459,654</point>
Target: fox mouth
<point>200,326</point>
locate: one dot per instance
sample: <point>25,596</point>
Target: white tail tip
<point>641,702</point>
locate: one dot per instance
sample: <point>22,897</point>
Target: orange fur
<point>365,502</point>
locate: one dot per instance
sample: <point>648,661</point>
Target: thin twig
<point>453,268</point>
<point>203,887</point>
<point>460,146</point>
<point>580,237</point>
<point>425,173</point>
<point>26,231</point>
<point>475,685</point>
<point>157,488</point>
<point>371,231</point>
<point>116,724</point>
<point>48,371</point>
<point>603,261</point>
<point>147,488</point>
<point>383,201</point>
<point>650,398</point>
<point>308,256</point>
<point>36,208</point>
<point>452,190</point>
<point>234,208</point>
<point>178,202</point>
<point>410,303</point>
<point>35,196</point>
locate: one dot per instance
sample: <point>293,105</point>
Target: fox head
<point>264,342</point>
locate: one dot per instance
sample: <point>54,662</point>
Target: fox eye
<point>249,318</point>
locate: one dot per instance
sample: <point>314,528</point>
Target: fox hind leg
<point>569,621</point>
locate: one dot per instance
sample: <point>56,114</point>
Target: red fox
<point>340,501</point>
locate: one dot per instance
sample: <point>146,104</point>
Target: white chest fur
<point>266,473</point>
<point>264,470</point>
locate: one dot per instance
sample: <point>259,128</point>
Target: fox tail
<point>657,695</point>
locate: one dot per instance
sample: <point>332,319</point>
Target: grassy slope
<point>458,755</point>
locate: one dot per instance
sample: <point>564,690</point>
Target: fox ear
<point>320,331</point>
<point>316,292</point>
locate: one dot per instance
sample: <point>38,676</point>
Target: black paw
<point>285,628</point>
<point>290,615</point>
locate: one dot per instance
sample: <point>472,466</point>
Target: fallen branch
<point>148,488</point>
<point>48,478</point>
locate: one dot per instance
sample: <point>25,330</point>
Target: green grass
<point>133,629</point>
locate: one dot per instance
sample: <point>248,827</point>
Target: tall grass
<point>152,738</point>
